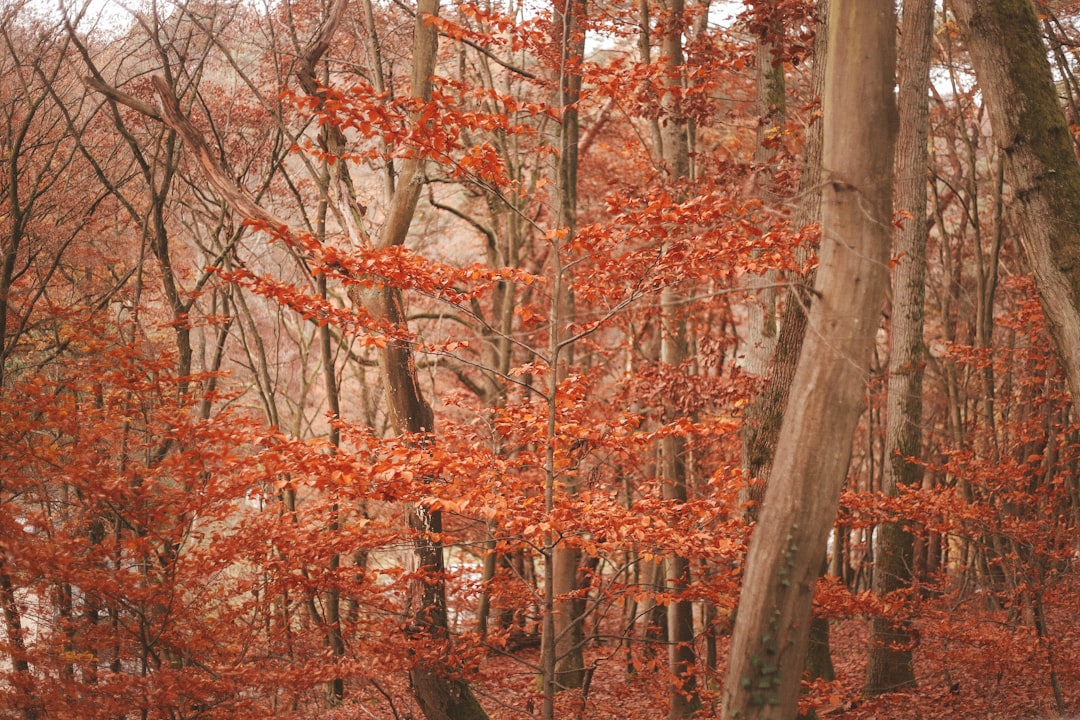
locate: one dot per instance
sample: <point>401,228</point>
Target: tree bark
<point>772,626</point>
<point>1029,125</point>
<point>890,667</point>
<point>761,322</point>
<point>563,638</point>
<point>683,700</point>
<point>765,414</point>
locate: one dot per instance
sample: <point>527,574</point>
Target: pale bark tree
<point>890,667</point>
<point>772,626</point>
<point>764,417</point>
<point>761,333</point>
<point>761,306</point>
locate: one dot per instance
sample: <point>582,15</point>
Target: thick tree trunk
<point>1029,126</point>
<point>890,667</point>
<point>765,414</point>
<point>769,644</point>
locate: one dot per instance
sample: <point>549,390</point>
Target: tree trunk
<point>15,636</point>
<point>440,694</point>
<point>562,652</point>
<point>1029,126</point>
<point>769,645</point>
<point>890,667</point>
<point>766,412</point>
<point>761,319</point>
<point>683,699</point>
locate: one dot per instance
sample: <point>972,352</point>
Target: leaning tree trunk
<point>890,667</point>
<point>767,410</point>
<point>1029,126</point>
<point>771,631</point>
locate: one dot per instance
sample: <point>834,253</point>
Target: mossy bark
<point>1029,127</point>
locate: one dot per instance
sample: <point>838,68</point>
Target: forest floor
<point>972,662</point>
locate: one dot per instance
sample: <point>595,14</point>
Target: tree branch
<point>216,175</point>
<point>95,83</point>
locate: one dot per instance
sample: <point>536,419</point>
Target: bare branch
<point>216,175</point>
<point>314,52</point>
<point>96,83</point>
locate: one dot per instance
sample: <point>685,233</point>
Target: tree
<point>674,352</point>
<point>891,665</point>
<point>562,651</point>
<point>1040,163</point>
<point>761,427</point>
<point>771,629</point>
